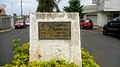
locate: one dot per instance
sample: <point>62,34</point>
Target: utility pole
<point>21,9</point>
<point>12,8</point>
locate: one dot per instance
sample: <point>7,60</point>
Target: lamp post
<point>21,9</point>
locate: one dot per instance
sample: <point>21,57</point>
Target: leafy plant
<point>88,60</point>
<point>52,63</point>
<point>21,54</point>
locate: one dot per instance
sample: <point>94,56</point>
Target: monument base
<point>55,36</point>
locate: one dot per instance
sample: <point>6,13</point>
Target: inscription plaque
<point>54,30</point>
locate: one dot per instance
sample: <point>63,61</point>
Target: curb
<point>98,29</point>
<point>8,29</point>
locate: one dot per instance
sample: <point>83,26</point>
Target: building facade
<point>94,1</point>
<point>2,9</point>
<point>103,11</point>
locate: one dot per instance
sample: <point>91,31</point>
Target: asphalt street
<point>6,43</point>
<point>105,49</point>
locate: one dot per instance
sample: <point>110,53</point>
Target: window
<point>87,20</point>
<point>82,21</point>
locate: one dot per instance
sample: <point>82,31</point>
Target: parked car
<point>20,24</point>
<point>27,22</point>
<point>86,23</point>
<point>112,27</point>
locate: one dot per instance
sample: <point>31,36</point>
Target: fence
<point>5,22</point>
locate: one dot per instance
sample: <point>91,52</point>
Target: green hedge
<point>21,59</point>
<point>88,60</point>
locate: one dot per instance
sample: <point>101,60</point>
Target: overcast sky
<point>13,6</point>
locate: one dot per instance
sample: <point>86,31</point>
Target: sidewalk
<point>8,29</point>
<point>98,28</point>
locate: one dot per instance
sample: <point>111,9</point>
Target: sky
<point>29,6</point>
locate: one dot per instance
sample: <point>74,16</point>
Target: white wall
<point>89,8</point>
<point>12,22</point>
<point>108,5</point>
<point>100,5</point>
<point>101,19</point>
<point>112,5</point>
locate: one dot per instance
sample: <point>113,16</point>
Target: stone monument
<point>55,36</point>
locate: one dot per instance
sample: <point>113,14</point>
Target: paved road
<point>6,54</point>
<point>105,49</point>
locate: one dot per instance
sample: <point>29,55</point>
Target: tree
<point>47,5</point>
<point>74,6</point>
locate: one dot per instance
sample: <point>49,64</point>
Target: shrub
<point>21,59</point>
<point>21,54</point>
<point>88,60</point>
<point>52,63</point>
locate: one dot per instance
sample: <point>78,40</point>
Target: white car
<point>27,22</point>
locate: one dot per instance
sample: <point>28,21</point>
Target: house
<point>102,11</point>
<point>2,9</point>
<point>5,20</point>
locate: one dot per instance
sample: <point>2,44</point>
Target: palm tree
<point>47,5</point>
